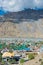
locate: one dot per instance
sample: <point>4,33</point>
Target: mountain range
<point>26,24</point>
<point>26,14</point>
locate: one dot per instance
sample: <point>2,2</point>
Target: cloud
<point>18,5</point>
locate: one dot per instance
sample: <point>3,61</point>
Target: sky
<point>18,5</point>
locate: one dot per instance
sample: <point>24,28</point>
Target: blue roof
<point>27,49</point>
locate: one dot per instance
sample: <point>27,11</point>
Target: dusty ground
<point>34,61</point>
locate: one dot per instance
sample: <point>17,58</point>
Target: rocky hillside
<point>25,28</point>
<point>25,14</point>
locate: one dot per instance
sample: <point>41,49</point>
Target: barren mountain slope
<point>28,29</point>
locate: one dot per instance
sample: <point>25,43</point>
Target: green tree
<point>41,63</point>
<point>31,56</point>
<point>0,57</point>
<point>12,61</point>
<point>2,63</point>
<point>22,61</point>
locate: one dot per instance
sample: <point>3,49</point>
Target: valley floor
<point>34,61</point>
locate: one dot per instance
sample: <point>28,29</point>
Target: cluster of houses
<point>15,54</point>
<point>19,54</point>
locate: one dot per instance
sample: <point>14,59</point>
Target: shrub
<point>31,56</point>
<point>12,61</point>
<point>2,63</point>
<point>41,63</point>
<point>40,59</point>
<point>0,57</point>
<point>22,61</point>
